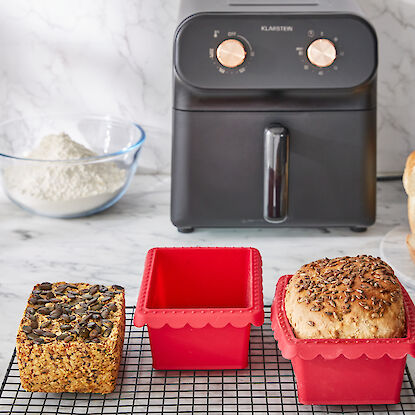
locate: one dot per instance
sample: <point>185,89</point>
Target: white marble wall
<point>101,56</point>
<point>115,57</point>
<point>394,21</point>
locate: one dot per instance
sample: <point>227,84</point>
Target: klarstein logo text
<point>277,28</point>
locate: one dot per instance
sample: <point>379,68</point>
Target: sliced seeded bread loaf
<point>70,338</point>
<point>345,298</point>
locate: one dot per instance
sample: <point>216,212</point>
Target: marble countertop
<point>110,247</point>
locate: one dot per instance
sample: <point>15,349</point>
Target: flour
<point>60,189</point>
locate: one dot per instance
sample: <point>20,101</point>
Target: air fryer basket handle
<point>276,151</point>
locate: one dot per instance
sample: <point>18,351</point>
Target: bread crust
<point>408,181</point>
<point>78,365</point>
<point>408,178</point>
<point>410,243</point>
<point>411,213</point>
<point>345,298</point>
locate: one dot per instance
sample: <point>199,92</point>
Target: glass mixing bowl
<point>69,188</point>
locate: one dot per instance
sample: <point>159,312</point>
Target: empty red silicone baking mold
<point>344,371</point>
<point>199,304</point>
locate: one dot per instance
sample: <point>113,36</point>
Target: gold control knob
<point>231,53</point>
<point>322,53</point>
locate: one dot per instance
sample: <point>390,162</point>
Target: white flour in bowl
<point>59,189</point>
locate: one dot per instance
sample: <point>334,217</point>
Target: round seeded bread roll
<point>345,298</point>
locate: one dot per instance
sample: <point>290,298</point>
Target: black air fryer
<point>274,119</point>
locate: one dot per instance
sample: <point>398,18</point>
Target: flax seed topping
<point>353,297</point>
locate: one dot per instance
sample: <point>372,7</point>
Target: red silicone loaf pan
<point>344,371</point>
<point>199,304</point>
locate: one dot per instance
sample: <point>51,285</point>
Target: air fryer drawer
<point>218,173</point>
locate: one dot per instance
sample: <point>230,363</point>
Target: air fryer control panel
<point>245,51</point>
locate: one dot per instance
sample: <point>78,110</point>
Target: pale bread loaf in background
<point>409,185</point>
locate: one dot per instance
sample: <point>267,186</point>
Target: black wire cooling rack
<point>267,386</point>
